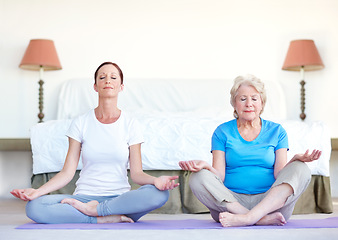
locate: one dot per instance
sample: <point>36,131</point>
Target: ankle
<point>251,219</point>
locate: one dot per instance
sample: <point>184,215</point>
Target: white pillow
<point>50,145</point>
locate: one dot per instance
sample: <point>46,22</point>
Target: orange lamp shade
<point>302,53</point>
<point>40,53</point>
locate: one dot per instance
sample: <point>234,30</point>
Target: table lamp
<point>40,55</point>
<point>302,56</point>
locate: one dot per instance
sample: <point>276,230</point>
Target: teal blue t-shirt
<point>249,164</point>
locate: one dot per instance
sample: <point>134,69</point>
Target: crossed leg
<point>90,209</point>
<point>262,214</point>
<point>127,207</point>
<point>227,209</point>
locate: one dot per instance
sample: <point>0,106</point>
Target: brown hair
<point>106,63</point>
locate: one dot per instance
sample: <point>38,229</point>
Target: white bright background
<point>166,39</point>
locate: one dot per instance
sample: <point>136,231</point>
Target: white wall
<point>15,171</point>
<point>172,39</point>
<point>160,39</point>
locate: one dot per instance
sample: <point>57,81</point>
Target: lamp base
<point>41,115</point>
<point>302,100</point>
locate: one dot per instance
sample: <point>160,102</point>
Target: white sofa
<point>178,117</point>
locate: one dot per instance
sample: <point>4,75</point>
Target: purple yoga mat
<point>183,224</point>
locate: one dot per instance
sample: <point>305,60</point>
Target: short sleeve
<point>74,130</point>
<point>218,140</point>
<point>135,133</point>
<point>283,141</point>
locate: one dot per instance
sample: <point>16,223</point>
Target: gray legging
<point>133,204</point>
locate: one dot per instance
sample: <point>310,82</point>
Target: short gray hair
<point>249,80</point>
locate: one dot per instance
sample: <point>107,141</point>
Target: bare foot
<point>88,208</point>
<point>272,219</point>
<point>237,220</point>
<point>114,219</point>
<point>234,220</point>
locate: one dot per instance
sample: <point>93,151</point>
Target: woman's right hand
<point>194,165</point>
<point>27,194</point>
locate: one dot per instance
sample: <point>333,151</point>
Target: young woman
<point>108,140</point>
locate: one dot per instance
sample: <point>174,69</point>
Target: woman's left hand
<point>306,157</point>
<point>165,182</point>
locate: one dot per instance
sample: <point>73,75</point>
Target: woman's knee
<point>39,209</point>
<point>158,197</point>
<point>302,170</point>
<point>34,211</point>
<point>198,179</point>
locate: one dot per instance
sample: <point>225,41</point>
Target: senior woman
<point>250,181</point>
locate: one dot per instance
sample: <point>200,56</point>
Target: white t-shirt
<point>105,153</point>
